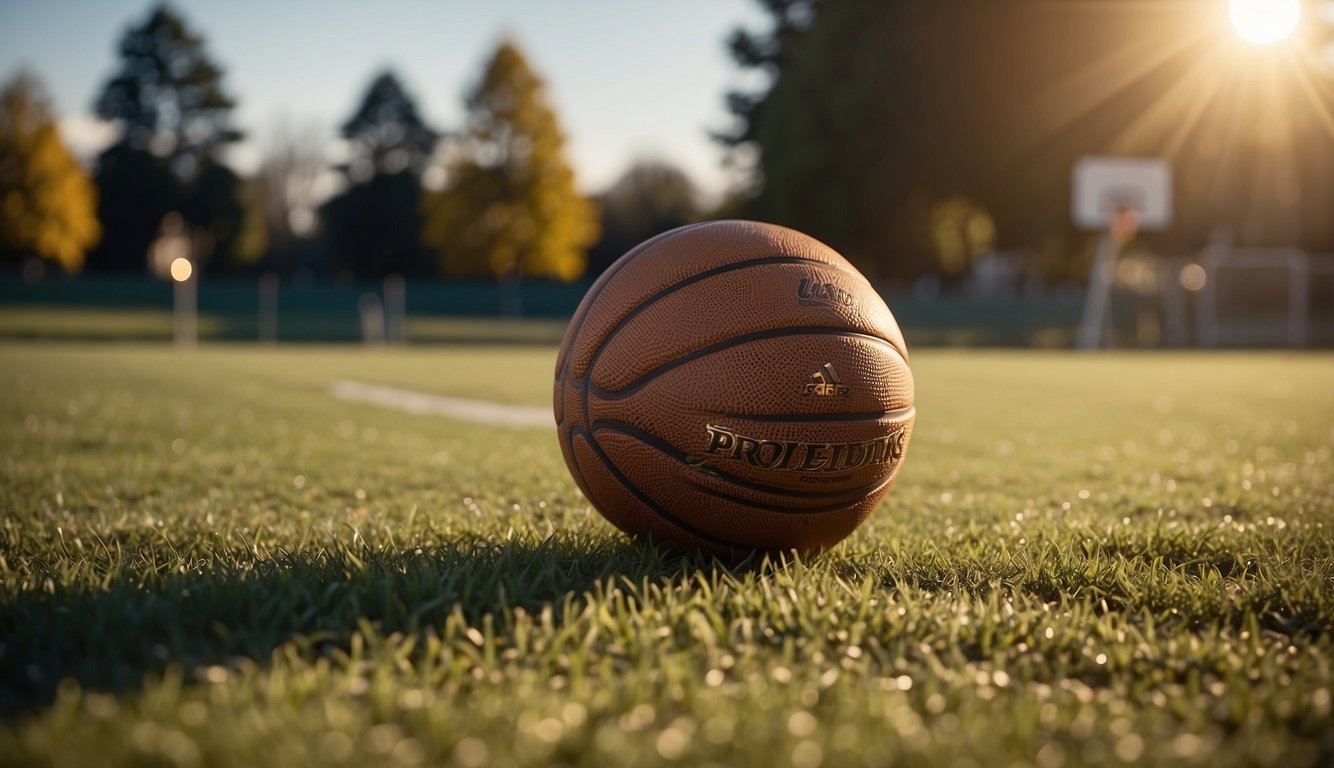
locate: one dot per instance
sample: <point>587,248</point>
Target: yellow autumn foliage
<point>48,206</point>
<point>511,208</point>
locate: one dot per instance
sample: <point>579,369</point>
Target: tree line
<point>915,135</point>
<point>508,208</point>
<point>912,136</point>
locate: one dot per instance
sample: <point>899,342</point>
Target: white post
<point>395,309</point>
<point>1298,296</point>
<point>268,308</point>
<point>371,310</point>
<point>1176,329</point>
<point>185,302</point>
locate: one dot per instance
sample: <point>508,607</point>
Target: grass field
<point>206,560</point>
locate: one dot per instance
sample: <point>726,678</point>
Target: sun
<point>1265,21</point>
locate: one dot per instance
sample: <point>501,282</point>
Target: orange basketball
<point>734,386</point>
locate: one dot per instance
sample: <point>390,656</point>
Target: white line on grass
<point>480,411</point>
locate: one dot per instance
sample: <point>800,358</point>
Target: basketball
<point>734,386</point>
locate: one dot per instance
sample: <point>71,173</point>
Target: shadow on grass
<point>110,638</point>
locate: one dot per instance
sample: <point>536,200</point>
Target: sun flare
<point>1264,21</point>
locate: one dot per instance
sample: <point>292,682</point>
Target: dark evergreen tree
<point>767,52</point>
<point>168,95</point>
<point>174,116</point>
<point>387,133</point>
<point>136,190</point>
<point>372,227</point>
<point>881,118</point>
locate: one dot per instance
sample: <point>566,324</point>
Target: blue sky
<point>628,77</point>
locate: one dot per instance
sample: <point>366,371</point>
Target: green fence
<point>140,309</point>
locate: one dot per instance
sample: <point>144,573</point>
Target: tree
<point>511,208</point>
<point>881,115</point>
<point>387,133</point>
<point>768,53</point>
<point>228,221</point>
<point>174,120</point>
<point>288,180</point>
<point>372,227</point>
<point>834,131</point>
<point>652,196</point>
<point>136,190</point>
<point>287,191</point>
<point>46,201</point>
<point>167,94</point>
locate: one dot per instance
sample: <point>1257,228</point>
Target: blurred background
<point>462,171</point>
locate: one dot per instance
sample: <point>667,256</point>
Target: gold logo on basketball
<point>794,456</point>
<point>811,292</point>
<point>826,383</point>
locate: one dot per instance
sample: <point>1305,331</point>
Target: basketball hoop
<point>1117,196</point>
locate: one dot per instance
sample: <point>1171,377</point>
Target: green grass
<point>206,560</point>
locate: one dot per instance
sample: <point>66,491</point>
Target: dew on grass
<point>801,724</point>
<point>1128,748</point>
<point>413,698</point>
<point>807,754</point>
<point>1052,755</point>
<point>471,752</point>
<point>638,718</point>
<point>549,730</point>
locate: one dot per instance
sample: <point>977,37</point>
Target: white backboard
<point>1104,185</point>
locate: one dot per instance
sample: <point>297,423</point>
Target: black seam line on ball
<point>606,280</point>
<point>587,382</point>
<point>650,503</point>
<point>666,291</point>
<point>897,414</point>
<point>672,452</point>
<point>785,510</point>
<point>735,341</point>
<point>579,478</point>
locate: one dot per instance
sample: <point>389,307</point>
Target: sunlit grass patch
<point>206,559</point>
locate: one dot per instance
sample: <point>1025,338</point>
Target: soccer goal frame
<point>1218,324</point>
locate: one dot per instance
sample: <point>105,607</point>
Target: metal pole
<point>1096,306</point>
